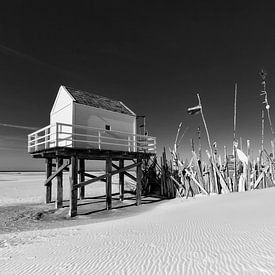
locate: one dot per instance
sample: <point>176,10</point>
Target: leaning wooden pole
<point>208,138</point>
<point>205,126</point>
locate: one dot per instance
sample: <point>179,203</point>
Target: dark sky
<point>154,57</point>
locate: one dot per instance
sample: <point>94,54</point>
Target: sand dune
<point>226,234</point>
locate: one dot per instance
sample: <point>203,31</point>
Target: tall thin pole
<point>235,112</point>
<point>209,144</point>
<point>235,144</point>
<point>199,138</point>
<point>263,75</point>
<point>177,136</point>
<point>205,126</point>
<point>262,143</point>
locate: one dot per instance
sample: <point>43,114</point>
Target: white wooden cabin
<point>81,119</point>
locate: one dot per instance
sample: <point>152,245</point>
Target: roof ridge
<point>91,93</point>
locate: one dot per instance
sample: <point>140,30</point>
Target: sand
<point>225,234</point>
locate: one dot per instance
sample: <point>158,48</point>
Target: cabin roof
<point>98,101</point>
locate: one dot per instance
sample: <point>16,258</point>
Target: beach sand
<point>219,234</point>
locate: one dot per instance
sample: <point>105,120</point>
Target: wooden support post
<point>59,185</point>
<point>73,189</point>
<point>139,177</point>
<point>248,181</point>
<point>82,178</point>
<point>49,185</point>
<point>108,184</point>
<point>121,180</point>
<point>162,178</point>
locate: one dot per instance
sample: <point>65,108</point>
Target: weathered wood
<point>60,169</point>
<point>248,180</point>
<point>92,176</point>
<point>198,184</point>
<point>125,173</point>
<point>198,168</point>
<point>235,181</point>
<point>73,190</point>
<point>65,169</point>
<point>89,154</point>
<point>59,184</point>
<point>189,188</point>
<point>179,187</point>
<point>82,178</point>
<point>259,179</point>
<point>121,180</point>
<point>139,177</point>
<point>222,180</point>
<point>49,185</point>
<point>105,175</point>
<point>162,178</point>
<point>108,183</point>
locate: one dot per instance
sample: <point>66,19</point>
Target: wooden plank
<point>65,169</point>
<point>105,175</point>
<point>139,177</point>
<point>73,190</point>
<point>59,185</point>
<point>92,176</point>
<point>125,173</point>
<point>259,179</point>
<point>49,185</point>
<point>108,184</point>
<point>60,169</point>
<point>198,168</point>
<point>121,179</point>
<point>222,180</point>
<point>194,179</point>
<point>82,178</point>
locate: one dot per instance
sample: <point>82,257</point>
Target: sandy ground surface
<point>226,234</point>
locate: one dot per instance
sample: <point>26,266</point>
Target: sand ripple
<point>228,234</point>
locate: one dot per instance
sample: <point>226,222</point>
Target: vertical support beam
<point>49,185</point>
<point>248,180</point>
<point>59,185</point>
<point>73,190</point>
<point>82,178</point>
<point>121,180</point>
<point>139,177</point>
<point>109,183</point>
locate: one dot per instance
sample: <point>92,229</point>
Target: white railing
<point>76,136</point>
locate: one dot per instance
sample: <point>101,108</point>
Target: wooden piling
<point>49,162</point>
<point>121,180</point>
<point>82,178</point>
<point>73,189</point>
<point>139,177</point>
<point>108,183</point>
<point>59,185</point>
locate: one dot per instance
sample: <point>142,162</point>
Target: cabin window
<point>108,127</point>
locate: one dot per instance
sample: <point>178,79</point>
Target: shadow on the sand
<point>90,210</point>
